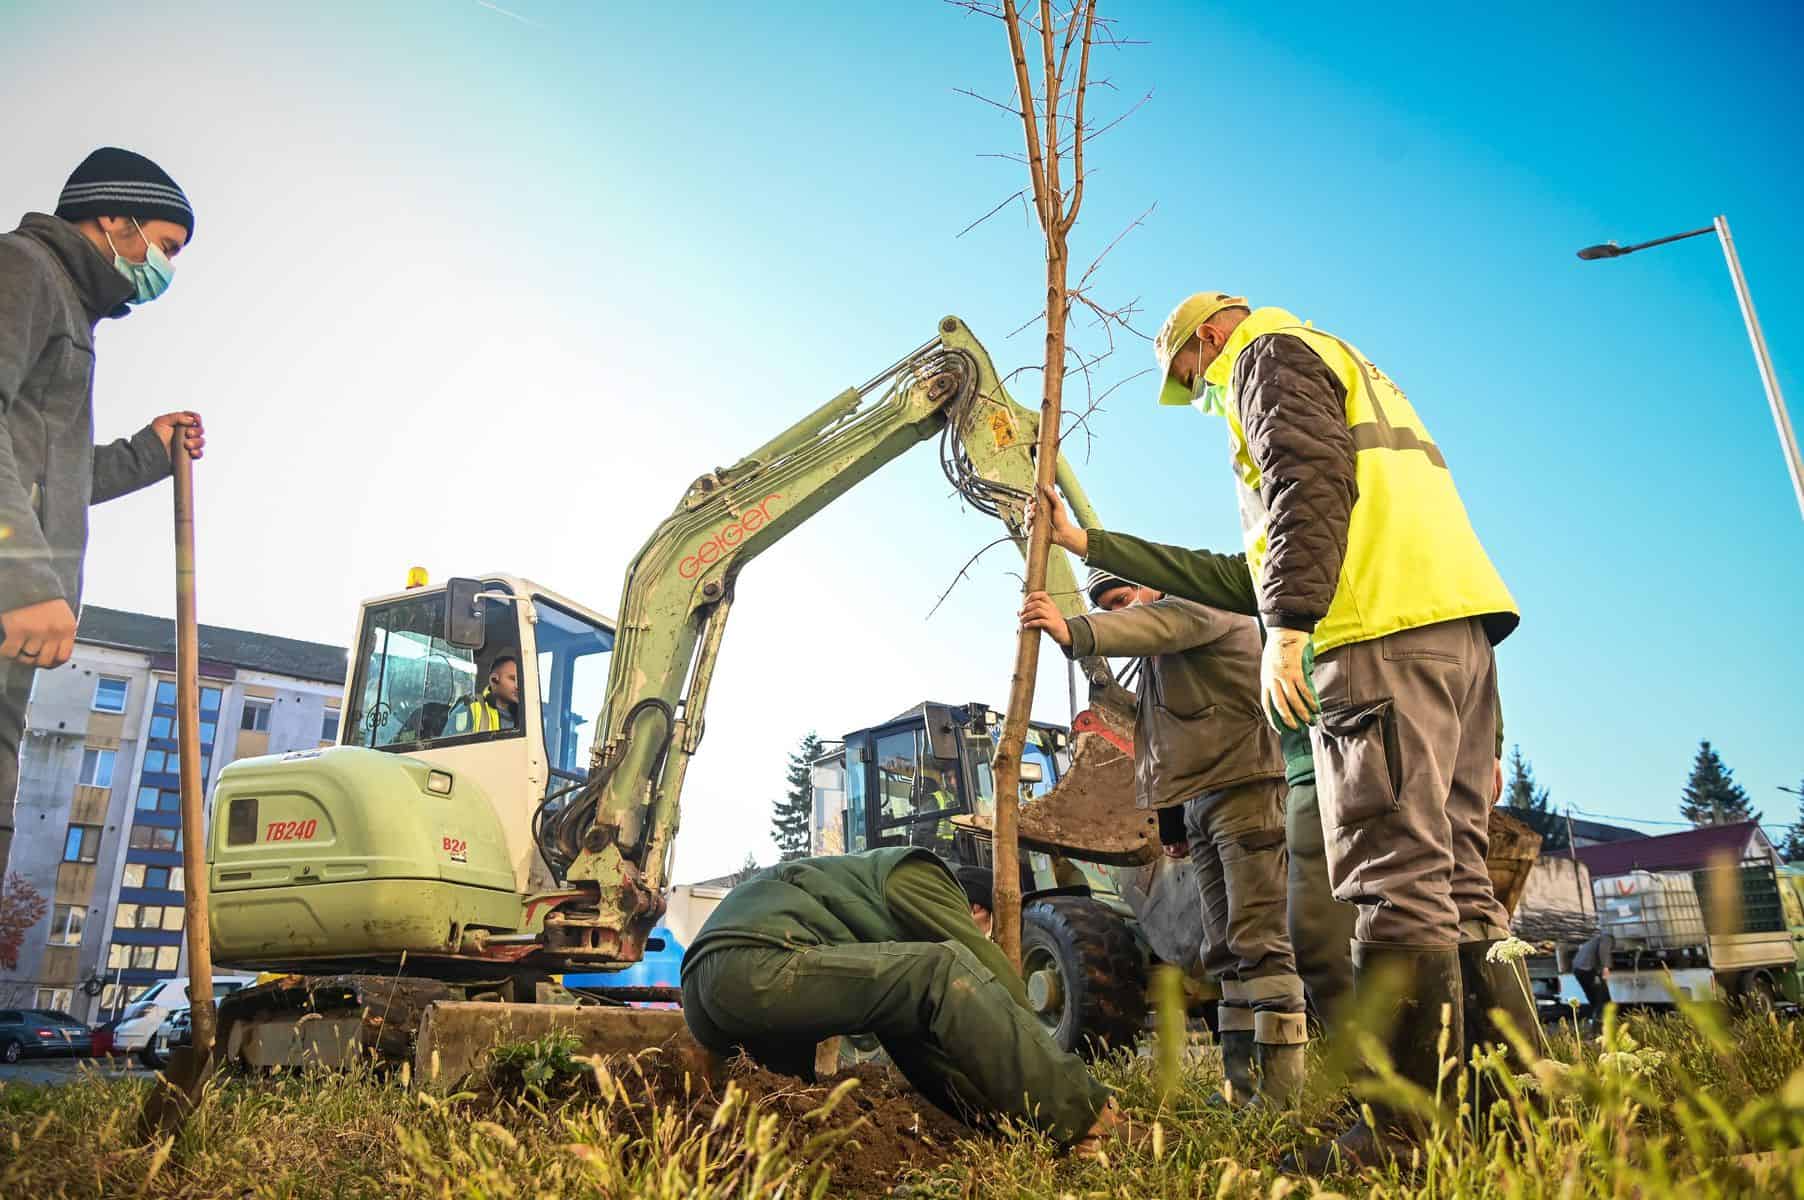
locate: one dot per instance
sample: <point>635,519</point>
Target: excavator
<point>472,837</point>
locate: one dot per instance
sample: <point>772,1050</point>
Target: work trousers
<point>1321,927</point>
<point>1404,754</point>
<point>1237,846</point>
<point>1597,992</point>
<point>943,1018</point>
<point>15,694</point>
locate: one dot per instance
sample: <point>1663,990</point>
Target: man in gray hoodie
<point>119,223</point>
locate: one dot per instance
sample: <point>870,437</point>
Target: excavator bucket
<point>1090,813</point>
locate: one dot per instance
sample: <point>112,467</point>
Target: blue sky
<point>638,239</point>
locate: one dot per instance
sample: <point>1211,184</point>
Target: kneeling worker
<point>884,943</point>
<point>1201,742</point>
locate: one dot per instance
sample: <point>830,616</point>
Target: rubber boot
<point>1500,986</point>
<point>1237,1087</point>
<point>1281,1072</point>
<point>1426,982</point>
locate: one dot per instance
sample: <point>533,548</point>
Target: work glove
<point>1287,679</point>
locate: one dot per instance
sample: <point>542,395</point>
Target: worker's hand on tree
<point>1497,781</point>
<point>1178,850</point>
<point>1286,679</point>
<point>39,635</point>
<point>1065,531</point>
<point>194,435</point>
<point>1041,613</point>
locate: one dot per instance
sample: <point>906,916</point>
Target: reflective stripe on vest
<point>1412,557</point>
<point>475,714</point>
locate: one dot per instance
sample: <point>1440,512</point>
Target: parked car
<point>31,1032</point>
<point>143,1028</point>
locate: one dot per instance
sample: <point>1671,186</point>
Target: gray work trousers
<point>1321,927</point>
<point>1237,845</point>
<point>1404,754</point>
<point>15,693</point>
<point>944,1019</point>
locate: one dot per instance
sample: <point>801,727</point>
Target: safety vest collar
<point>1258,323</point>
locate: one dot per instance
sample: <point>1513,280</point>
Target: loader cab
<point>902,783</point>
<point>425,684</point>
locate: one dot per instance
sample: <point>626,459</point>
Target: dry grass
<point>1690,1106</point>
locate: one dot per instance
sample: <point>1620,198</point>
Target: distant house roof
<point>1687,851</point>
<point>1551,825</point>
<point>230,647</point>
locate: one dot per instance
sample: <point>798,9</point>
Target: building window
<point>209,702</point>
<point>154,837</point>
<point>82,844</point>
<point>208,731</point>
<point>66,925</point>
<point>256,716</point>
<point>110,693</point>
<point>152,799</point>
<point>162,727</point>
<point>328,726</point>
<point>166,692</point>
<point>97,768</point>
<point>156,878</point>
<point>134,875</point>
<point>55,999</point>
<point>156,762</point>
<point>167,957</point>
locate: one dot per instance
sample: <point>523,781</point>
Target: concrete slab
<point>457,1037</point>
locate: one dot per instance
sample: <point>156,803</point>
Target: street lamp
<point>1788,441</point>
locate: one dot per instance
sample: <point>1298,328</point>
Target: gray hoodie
<point>54,288</point>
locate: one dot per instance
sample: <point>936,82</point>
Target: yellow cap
<point>1178,329</point>
<point>416,577</point>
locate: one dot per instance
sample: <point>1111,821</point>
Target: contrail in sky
<point>516,16</point>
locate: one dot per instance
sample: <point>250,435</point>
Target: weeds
<point>1695,1107</point>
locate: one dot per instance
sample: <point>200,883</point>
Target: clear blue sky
<point>647,236</point>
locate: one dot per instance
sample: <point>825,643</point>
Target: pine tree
<point>1791,846</point>
<point>746,870</point>
<point>1520,791</point>
<point>792,817</point>
<point>1712,797</point>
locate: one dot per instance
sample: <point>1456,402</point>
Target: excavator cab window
<point>409,678</point>
<point>574,657</point>
<point>917,794</point>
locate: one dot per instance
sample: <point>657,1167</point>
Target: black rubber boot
<point>1281,1072</point>
<point>1237,1088</point>
<point>1497,986</point>
<point>1425,982</point>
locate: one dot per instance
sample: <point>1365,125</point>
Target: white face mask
<point>1211,399</point>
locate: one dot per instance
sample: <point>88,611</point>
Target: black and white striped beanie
<point>117,183</point>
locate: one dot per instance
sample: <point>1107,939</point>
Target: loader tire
<point>1085,972</point>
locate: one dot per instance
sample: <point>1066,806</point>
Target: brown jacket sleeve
<point>1295,416</point>
<point>1168,626</point>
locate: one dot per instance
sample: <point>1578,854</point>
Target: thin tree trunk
<point>1043,168</point>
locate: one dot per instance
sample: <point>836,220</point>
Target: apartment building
<point>99,814</point>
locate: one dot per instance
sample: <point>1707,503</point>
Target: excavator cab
<point>467,708</point>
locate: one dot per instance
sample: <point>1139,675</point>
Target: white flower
<point>1508,950</point>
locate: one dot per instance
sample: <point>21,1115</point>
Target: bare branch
<point>979,221</point>
<point>962,572</point>
<point>1010,109</point>
<point>1024,90</point>
<point>1014,158</point>
<point>1077,155</point>
<point>1138,104</point>
<point>1097,262</point>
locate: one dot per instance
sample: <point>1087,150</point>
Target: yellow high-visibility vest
<point>476,714</point>
<point>1412,558</point>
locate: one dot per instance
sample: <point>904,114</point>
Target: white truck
<point>1672,935</point>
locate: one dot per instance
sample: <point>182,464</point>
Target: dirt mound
<point>893,1126</point>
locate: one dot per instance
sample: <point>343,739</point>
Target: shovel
<point>178,1087</point>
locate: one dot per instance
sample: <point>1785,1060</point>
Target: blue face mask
<point>151,277</point>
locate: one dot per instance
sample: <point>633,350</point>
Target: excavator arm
<point>615,834</point>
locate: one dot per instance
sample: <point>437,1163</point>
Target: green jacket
<point>893,894</point>
<point>1218,580</point>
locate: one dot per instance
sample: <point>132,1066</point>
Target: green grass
<point>1693,1107</point>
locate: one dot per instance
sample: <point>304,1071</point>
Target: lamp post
<point>1788,440</point>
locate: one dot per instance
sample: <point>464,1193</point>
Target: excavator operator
<point>496,708</point>
<point>884,943</point>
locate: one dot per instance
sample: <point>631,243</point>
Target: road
<point>54,1072</point>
